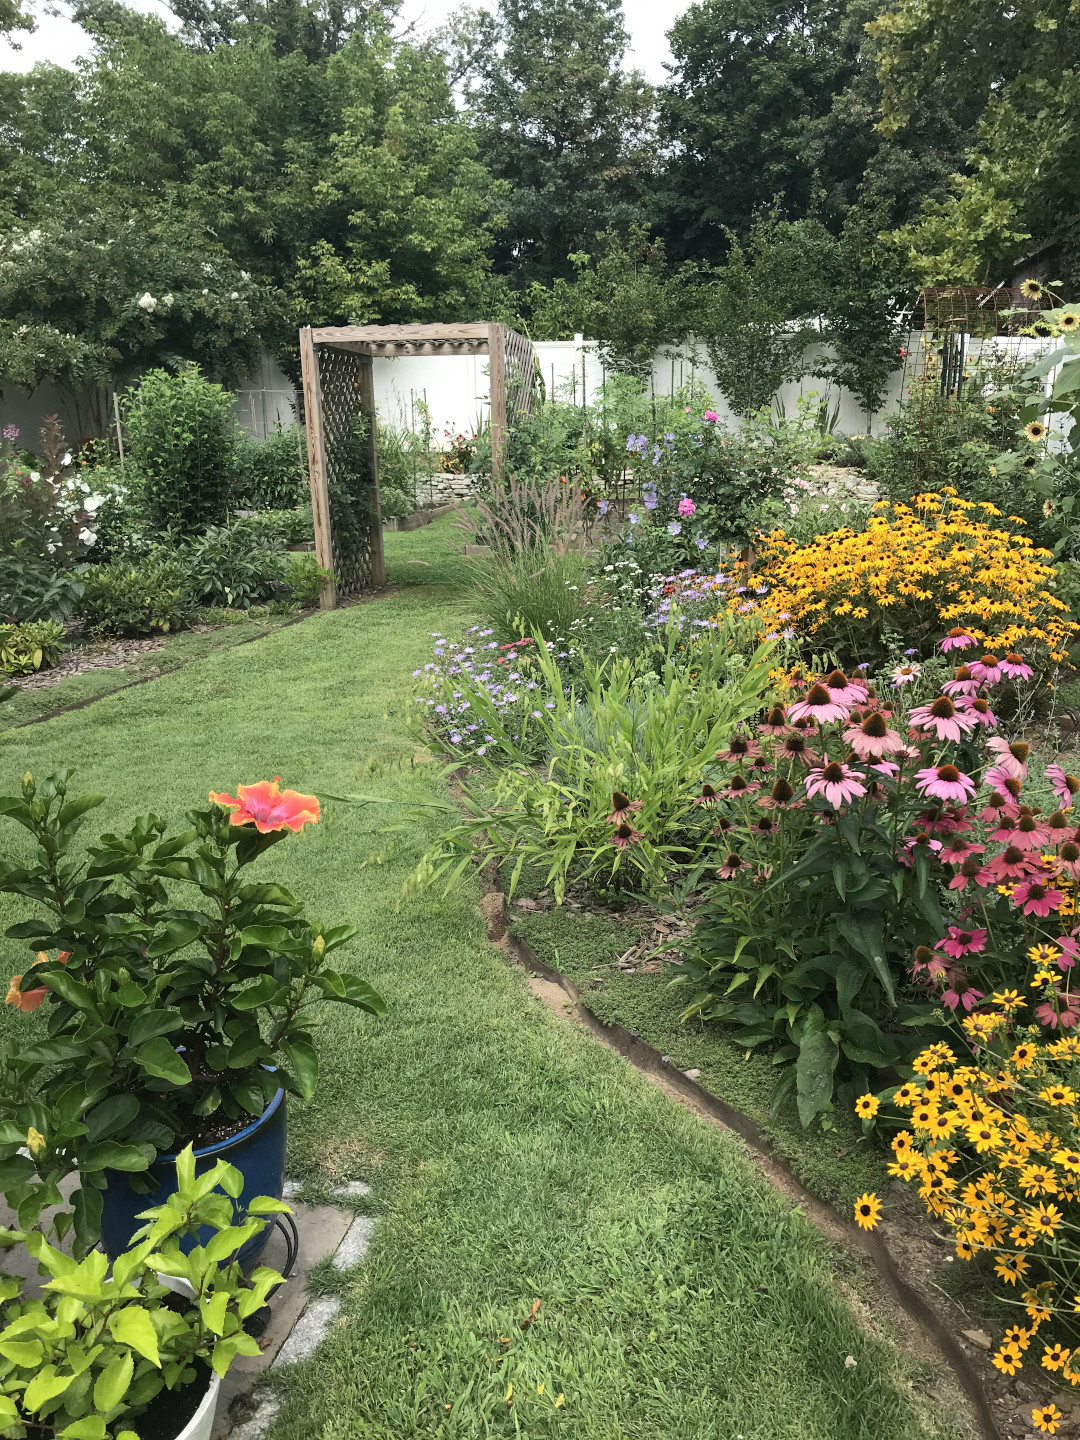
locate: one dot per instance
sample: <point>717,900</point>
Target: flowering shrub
<point>163,1022</point>
<point>852,831</point>
<point>916,570</point>
<point>46,513</point>
<point>991,1142</point>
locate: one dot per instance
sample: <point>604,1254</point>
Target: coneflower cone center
<point>943,708</point>
<point>1020,750</point>
<point>833,772</point>
<point>818,695</point>
<point>949,773</point>
<point>874,726</point>
<point>619,801</point>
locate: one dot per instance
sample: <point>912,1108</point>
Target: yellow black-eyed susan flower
<point>867,1211</point>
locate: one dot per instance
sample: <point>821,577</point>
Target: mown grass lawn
<point>515,1160</point>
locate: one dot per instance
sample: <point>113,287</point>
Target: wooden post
<point>367,405</point>
<point>497,373</point>
<point>320,497</point>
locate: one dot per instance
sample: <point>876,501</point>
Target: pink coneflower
<point>1057,828</point>
<point>708,795</point>
<point>958,943</point>
<point>978,711</point>
<point>905,674</point>
<point>775,722</point>
<point>972,873</point>
<point>731,866</point>
<point>765,825</point>
<point>723,825</point>
<point>836,782</point>
<point>845,691</point>
<point>943,718</point>
<point>1012,756</point>
<point>738,788</point>
<point>1060,1010</point>
<point>888,768</point>
<point>945,822</point>
<point>957,639</point>
<point>1032,897</point>
<point>1029,834</point>
<point>959,849</point>
<point>795,747</point>
<point>1014,667</point>
<point>740,747</point>
<point>923,843</point>
<point>987,670</point>
<point>1064,786</point>
<point>818,706</point>
<point>621,806</point>
<point>962,683</point>
<point>1004,825</point>
<point>782,794</point>
<point>945,782</point>
<point>961,992</point>
<point>873,738</point>
<point>1070,951</point>
<point>625,835</point>
<point>759,765</point>
<point>999,779</point>
<point>1069,860</point>
<point>996,806</point>
<point>1013,864</point>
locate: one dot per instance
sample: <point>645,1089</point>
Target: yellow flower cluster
<point>994,1151</point>
<point>917,569</point>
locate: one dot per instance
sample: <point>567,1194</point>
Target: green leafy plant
<point>303,579</point>
<point>100,1345</point>
<point>145,599</point>
<point>226,565</point>
<point>30,647</point>
<point>270,473</point>
<point>31,590</point>
<point>160,1013</point>
<point>182,440</point>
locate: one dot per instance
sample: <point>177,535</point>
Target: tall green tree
<point>343,184</point>
<point>562,124</point>
<point>779,103</point>
<point>1020,63</point>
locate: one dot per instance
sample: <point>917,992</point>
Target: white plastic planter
<point>201,1424</point>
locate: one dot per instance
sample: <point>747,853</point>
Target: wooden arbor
<point>339,410</point>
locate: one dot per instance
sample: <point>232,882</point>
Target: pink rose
<point>686,507</point>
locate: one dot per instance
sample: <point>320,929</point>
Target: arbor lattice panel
<point>350,482</point>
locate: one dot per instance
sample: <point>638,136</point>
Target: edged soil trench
<point>999,1413</point>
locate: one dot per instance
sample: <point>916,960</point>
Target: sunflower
<point>1031,289</point>
<point>1036,431</point>
<point>1068,320</point>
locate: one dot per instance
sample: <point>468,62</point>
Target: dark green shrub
<point>270,474</point>
<point>303,580</point>
<point>32,590</point>
<point>147,599</point>
<point>182,441</point>
<point>230,565</point>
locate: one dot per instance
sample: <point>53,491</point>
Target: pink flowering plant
<point>888,858</point>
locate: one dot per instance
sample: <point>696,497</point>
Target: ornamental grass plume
<point>940,563</point>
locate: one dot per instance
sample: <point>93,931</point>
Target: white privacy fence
<point>455,389</point>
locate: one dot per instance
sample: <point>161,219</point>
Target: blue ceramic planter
<point>257,1151</point>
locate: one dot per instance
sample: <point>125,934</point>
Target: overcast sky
<point>58,40</point>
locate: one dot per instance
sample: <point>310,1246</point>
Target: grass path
<point>514,1159</point>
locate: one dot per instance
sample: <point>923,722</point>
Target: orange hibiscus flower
<point>266,806</point>
<point>31,999</point>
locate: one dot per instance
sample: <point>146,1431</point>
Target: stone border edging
<point>649,1060</point>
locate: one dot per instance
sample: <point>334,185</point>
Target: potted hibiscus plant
<point>178,996</point>
<point>144,1343</point>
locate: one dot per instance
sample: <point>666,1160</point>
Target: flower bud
<point>35,1143</point>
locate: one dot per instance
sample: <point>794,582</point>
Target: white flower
<point>147,302</point>
<point>92,502</point>
<point>166,300</point>
<point>35,475</point>
<point>206,292</point>
<point>66,458</point>
<point>88,537</point>
<point>235,295</point>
